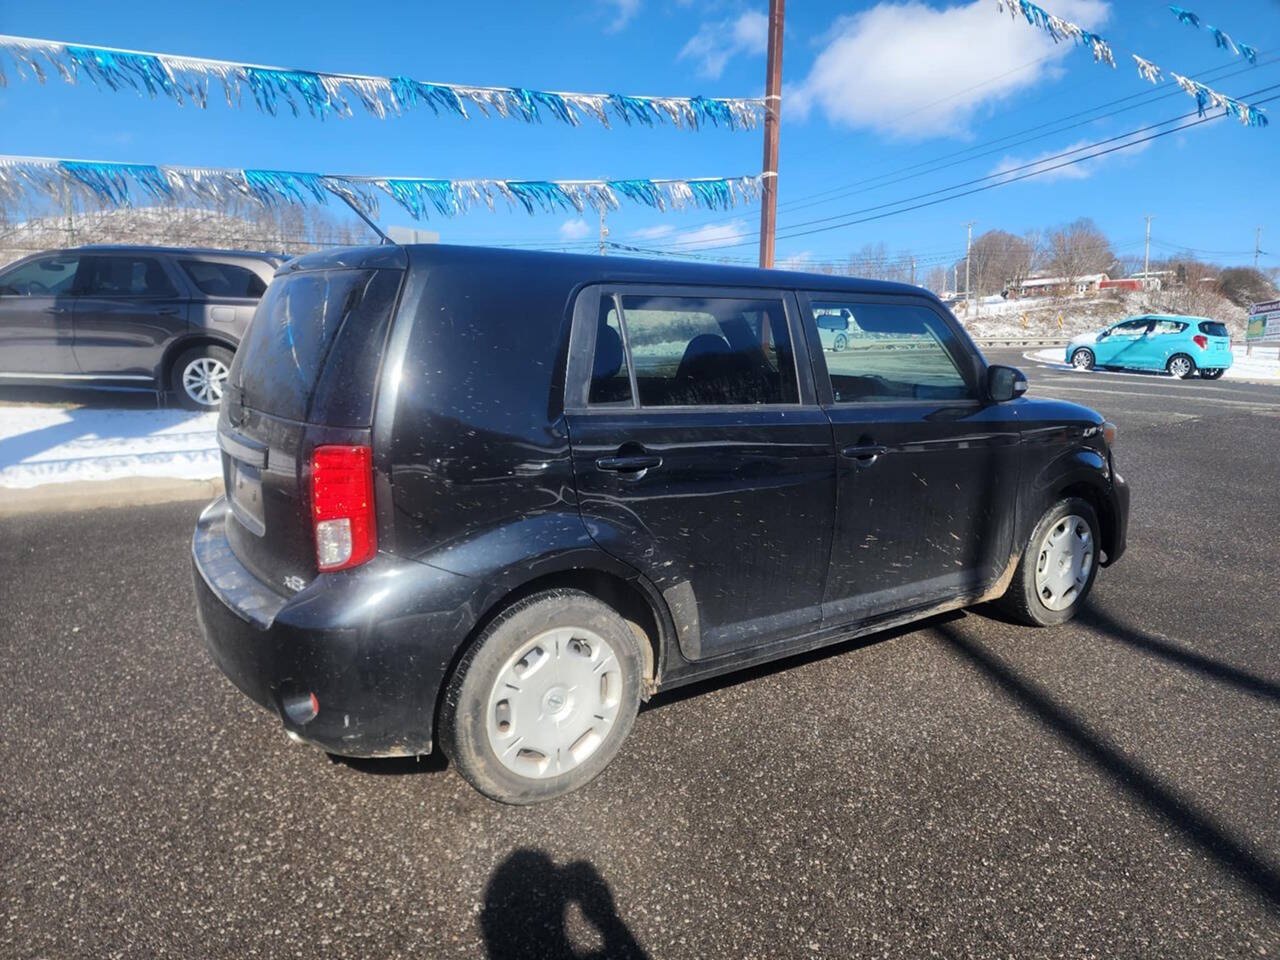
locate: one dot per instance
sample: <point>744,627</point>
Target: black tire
<point>841,343</point>
<point>464,734</point>
<point>1021,601</point>
<point>1083,359</point>
<point>1190,368</point>
<point>1212,374</point>
<point>209,355</point>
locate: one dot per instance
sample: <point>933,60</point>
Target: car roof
<point>593,269</point>
<point>184,251</point>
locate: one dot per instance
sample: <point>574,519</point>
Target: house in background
<point>1042,286</point>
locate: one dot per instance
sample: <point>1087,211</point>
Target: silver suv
<point>163,318</point>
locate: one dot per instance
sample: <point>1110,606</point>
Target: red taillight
<point>1201,341</point>
<point>342,506</point>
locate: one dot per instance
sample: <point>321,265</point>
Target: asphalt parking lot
<point>967,788</point>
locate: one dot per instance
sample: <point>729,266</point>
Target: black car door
<point>36,317</point>
<point>129,310</point>
<point>927,470</point>
<point>701,458</point>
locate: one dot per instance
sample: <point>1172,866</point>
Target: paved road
<point>965,789</point>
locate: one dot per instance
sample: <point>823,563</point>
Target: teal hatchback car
<point>1181,346</point>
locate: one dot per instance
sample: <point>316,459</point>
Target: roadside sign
<point>1264,323</point>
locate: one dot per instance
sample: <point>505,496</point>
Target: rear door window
<point>895,351</point>
<point>698,351</point>
<point>303,318</point>
<point>124,276</point>
<point>217,279</point>
<point>1164,327</point>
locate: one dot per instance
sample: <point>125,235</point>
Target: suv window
<point>124,276</point>
<point>895,351</point>
<point>610,378</point>
<point>1214,329</point>
<point>44,277</point>
<point>696,351</point>
<point>1167,326</point>
<point>224,279</point>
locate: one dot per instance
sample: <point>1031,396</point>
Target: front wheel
<point>841,344</point>
<point>544,697</point>
<point>1057,569</point>
<point>198,376</point>
<point>1181,366</point>
<point>1082,359</point>
<point>1212,374</point>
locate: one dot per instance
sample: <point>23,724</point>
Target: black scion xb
<point>492,500</point>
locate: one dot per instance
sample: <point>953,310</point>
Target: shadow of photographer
<point>528,912</point>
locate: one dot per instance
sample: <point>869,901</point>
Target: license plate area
<point>244,493</point>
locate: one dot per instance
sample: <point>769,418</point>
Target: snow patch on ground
<point>1264,365</point>
<point>41,445</point>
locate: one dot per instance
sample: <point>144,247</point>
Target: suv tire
<point>1051,582</point>
<point>543,698</point>
<point>198,375</point>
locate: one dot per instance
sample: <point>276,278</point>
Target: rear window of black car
<point>327,322</point>
<point>1213,329</point>
<point>216,279</point>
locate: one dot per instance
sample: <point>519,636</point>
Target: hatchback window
<point>694,351</point>
<point>224,279</point>
<point>125,276</point>
<point>45,277</point>
<point>894,352</point>
<point>1213,329</point>
<point>1167,326</point>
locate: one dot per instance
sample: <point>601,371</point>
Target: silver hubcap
<point>554,702</point>
<point>1063,562</point>
<point>203,380</point>
<point>1179,366</point>
<point>1082,359</point>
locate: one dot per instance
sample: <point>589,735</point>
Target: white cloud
<point>716,43</point>
<point>654,232</point>
<point>713,235</point>
<point>1049,165</point>
<point>797,261</point>
<point>624,12</point>
<point>914,71</point>
<point>574,229</point>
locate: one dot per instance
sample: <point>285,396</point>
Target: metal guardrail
<point>1021,341</point>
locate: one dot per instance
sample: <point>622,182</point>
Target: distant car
<point>1181,346</point>
<point>166,317</point>
<point>833,329</point>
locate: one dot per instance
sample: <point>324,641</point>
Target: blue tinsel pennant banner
<point>1220,39</point>
<point>188,79</point>
<point>125,183</point>
<point>1060,29</point>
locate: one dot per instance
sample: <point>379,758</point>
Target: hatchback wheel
<point>1212,374</point>
<point>543,698</point>
<point>1057,569</point>
<point>842,343</point>
<point>1181,366</point>
<point>199,375</point>
<point>1082,359</point>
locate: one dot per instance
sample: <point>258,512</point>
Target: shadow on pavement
<point>527,914</point>
<point>1198,828</point>
<point>1214,669</point>
<point>434,762</point>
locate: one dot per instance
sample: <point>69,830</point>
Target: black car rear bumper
<point>371,645</point>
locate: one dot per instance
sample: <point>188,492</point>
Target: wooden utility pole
<point>604,231</point>
<point>772,116</point>
<point>1146,260</point>
<point>968,249</point>
<point>1257,247</point>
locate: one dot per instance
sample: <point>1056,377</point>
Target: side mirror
<point>1005,383</point>
<point>1104,334</point>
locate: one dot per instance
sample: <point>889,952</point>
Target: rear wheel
<point>198,376</point>
<point>1212,374</point>
<point>1082,359</point>
<point>1181,366</point>
<point>543,698</point>
<point>1057,569</point>
<point>842,343</point>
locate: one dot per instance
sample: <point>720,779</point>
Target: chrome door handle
<point>864,454</point>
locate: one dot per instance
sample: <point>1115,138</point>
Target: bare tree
<point>938,280</point>
<point>1077,249</point>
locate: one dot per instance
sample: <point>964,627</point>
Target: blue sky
<point>871,91</point>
